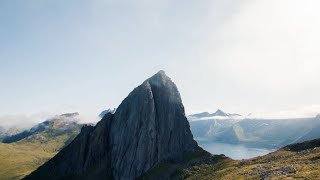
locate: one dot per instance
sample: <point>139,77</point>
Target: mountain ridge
<point>60,124</point>
<point>218,113</point>
<point>25,154</point>
<point>259,133</point>
<point>149,127</point>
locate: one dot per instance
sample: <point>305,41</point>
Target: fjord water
<point>234,151</point>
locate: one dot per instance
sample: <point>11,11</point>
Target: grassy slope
<point>20,158</point>
<point>282,164</point>
<point>16,160</point>
<point>171,170</point>
<point>297,161</point>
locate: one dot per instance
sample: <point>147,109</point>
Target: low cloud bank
<point>302,112</point>
<point>21,121</point>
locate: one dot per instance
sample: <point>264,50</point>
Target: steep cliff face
<point>149,127</point>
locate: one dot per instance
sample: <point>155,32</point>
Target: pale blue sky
<point>85,56</point>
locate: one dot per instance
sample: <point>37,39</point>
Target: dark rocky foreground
<point>148,129</point>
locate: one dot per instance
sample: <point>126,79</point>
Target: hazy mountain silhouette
<point>55,126</point>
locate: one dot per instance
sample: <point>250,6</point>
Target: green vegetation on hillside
<point>172,170</point>
<point>21,158</point>
<point>297,161</point>
<point>302,163</point>
<point>18,160</point>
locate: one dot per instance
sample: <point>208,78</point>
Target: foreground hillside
<point>149,137</point>
<point>17,159</point>
<point>21,158</point>
<point>298,161</point>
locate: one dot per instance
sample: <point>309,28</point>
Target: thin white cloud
<point>264,58</point>
<point>23,121</point>
<point>303,112</point>
<point>274,43</point>
<point>242,56</point>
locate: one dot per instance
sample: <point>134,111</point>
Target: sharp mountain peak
<point>149,127</point>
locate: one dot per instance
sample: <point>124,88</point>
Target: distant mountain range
<point>270,133</point>
<point>26,150</point>
<point>217,114</point>
<point>56,126</point>
<point>148,137</point>
<point>5,132</point>
<point>22,151</point>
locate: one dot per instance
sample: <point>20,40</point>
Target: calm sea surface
<point>233,151</point>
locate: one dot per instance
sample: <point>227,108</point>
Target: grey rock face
<point>155,128</point>
<point>148,127</point>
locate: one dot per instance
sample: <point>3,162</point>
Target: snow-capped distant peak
<point>219,114</point>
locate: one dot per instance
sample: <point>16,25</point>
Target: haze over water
<point>234,151</point>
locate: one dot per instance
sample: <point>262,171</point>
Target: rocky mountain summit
<point>148,128</point>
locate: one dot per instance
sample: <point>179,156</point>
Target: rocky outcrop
<point>103,113</point>
<point>149,127</point>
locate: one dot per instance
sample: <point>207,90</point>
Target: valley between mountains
<point>149,137</point>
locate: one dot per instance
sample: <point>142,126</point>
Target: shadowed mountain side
<point>303,145</point>
<point>86,153</point>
